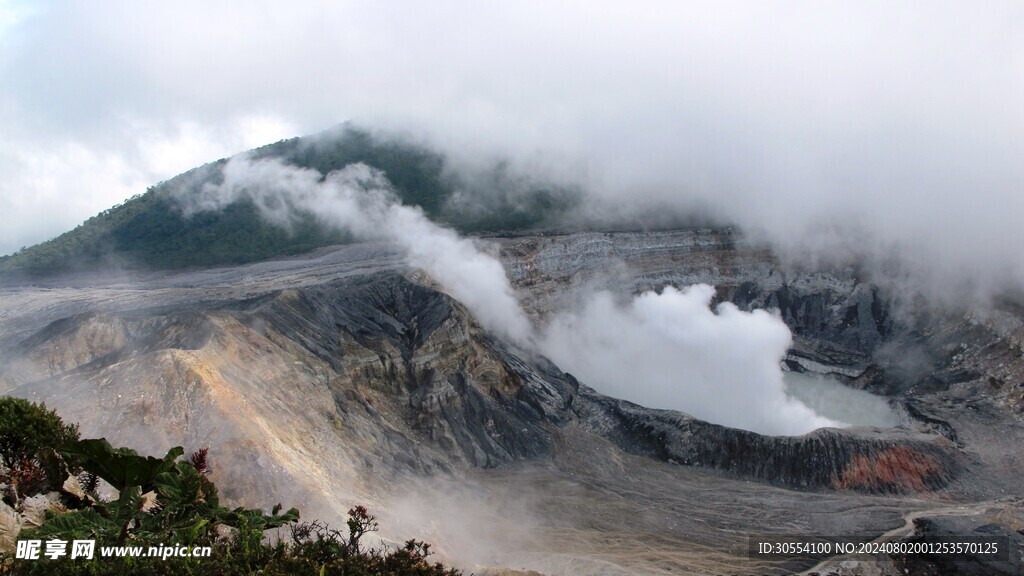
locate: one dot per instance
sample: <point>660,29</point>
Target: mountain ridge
<point>151,231</point>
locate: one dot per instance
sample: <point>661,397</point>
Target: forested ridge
<point>151,231</point>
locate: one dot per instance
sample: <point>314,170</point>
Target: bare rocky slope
<point>343,377</point>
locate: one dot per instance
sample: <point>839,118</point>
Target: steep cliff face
<point>420,356</point>
<point>866,460</point>
<point>317,384</point>
<point>839,320</point>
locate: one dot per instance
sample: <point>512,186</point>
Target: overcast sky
<point>900,125</point>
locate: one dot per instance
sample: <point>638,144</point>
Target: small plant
<point>198,460</point>
<point>319,549</point>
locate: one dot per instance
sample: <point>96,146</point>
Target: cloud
<point>52,184</point>
<point>888,129</point>
<point>672,351</point>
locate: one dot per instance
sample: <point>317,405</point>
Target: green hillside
<point>150,231</point>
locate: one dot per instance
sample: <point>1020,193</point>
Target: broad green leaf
<point>122,467</point>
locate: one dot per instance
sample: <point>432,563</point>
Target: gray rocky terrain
<point>344,377</point>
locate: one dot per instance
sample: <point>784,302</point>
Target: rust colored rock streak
<point>897,469</point>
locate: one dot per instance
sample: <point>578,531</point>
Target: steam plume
<point>670,350</point>
<point>359,199</point>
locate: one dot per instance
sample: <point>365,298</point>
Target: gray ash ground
<point>342,376</point>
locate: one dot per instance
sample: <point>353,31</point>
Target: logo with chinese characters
<point>53,549</point>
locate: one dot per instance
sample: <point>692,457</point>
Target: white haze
<point>667,350</point>
<point>670,350</point>
<point>827,128</point>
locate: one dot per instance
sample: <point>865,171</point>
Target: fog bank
<point>886,131</point>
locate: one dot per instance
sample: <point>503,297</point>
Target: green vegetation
<point>27,427</point>
<point>149,231</point>
<point>168,502</point>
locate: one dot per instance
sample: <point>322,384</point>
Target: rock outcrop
<point>866,460</point>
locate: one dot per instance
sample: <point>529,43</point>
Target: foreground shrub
<point>26,428</point>
<point>161,504</point>
<point>314,549</point>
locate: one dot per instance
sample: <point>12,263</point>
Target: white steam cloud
<point>670,350</point>
<point>873,130</point>
<point>667,350</point>
<point>359,199</point>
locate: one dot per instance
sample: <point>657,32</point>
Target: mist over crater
<point>665,350</point>
<point>563,288</point>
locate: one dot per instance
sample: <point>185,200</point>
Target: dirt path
<point>907,529</point>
